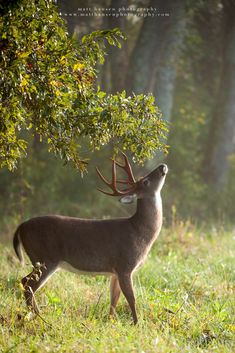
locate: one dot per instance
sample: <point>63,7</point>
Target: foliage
<point>187,189</point>
<point>199,73</point>
<point>48,88</point>
<point>184,296</point>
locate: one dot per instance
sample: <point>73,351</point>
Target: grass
<point>185,302</point>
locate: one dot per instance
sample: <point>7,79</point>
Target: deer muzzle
<point>163,169</point>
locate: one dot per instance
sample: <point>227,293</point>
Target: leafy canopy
<point>48,87</point>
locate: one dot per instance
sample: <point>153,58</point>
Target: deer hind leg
<point>115,292</point>
<point>33,281</point>
<point>125,282</point>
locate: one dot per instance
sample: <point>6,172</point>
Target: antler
<point>113,184</point>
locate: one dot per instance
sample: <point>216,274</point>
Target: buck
<point>116,247</point>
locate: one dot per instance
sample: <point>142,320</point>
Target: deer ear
<point>128,199</point>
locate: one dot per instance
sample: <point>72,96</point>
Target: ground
<point>184,293</point>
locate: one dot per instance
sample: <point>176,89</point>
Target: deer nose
<point>163,168</point>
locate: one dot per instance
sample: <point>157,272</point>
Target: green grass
<point>185,302</point>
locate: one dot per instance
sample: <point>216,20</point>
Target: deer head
<point>144,187</point>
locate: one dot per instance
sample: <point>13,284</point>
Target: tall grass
<point>184,292</point>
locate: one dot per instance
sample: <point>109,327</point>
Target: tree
<point>48,87</point>
<point>221,141</point>
<point>118,59</point>
<point>154,59</point>
<point>144,54</point>
<point>170,48</point>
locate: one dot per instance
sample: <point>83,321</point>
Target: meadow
<point>184,293</point>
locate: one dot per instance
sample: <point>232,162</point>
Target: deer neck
<point>148,216</point>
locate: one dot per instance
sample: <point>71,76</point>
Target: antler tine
<point>106,193</point>
<point>114,173</point>
<point>102,177</point>
<point>113,183</point>
<point>106,182</point>
<point>128,169</point>
<point>123,181</point>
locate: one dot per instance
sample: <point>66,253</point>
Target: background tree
<point>221,141</point>
<point>154,58</point>
<point>118,59</point>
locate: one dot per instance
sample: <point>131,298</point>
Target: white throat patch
<point>158,199</point>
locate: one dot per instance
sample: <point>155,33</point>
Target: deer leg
<point>125,282</point>
<point>33,281</point>
<point>114,294</point>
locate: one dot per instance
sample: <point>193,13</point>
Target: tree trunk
<point>68,8</point>
<point>118,57</point>
<point>153,61</point>
<point>164,80</point>
<point>221,141</point>
<point>145,53</point>
<point>77,21</point>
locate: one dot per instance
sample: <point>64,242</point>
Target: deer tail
<point>18,246</point>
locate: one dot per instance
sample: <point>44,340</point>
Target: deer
<point>115,247</point>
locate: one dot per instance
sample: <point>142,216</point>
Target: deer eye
<point>146,182</point>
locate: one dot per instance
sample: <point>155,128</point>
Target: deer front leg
<point>114,294</point>
<point>33,281</point>
<point>125,282</point>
